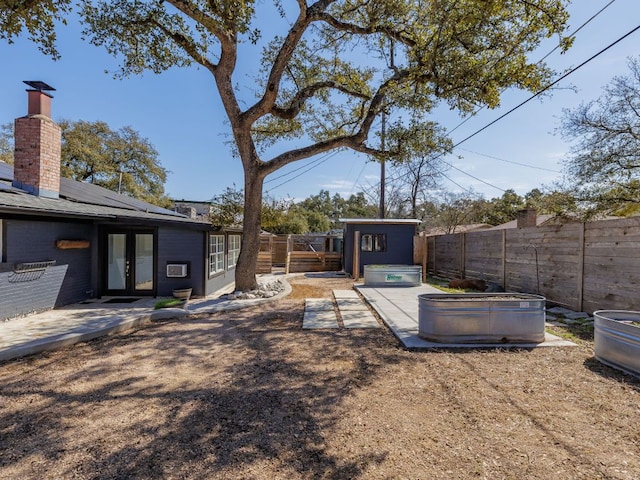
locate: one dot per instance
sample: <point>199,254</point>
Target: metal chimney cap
<point>38,85</point>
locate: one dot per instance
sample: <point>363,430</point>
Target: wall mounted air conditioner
<point>176,270</point>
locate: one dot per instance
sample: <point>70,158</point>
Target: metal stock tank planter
<point>481,318</point>
<point>617,339</point>
<point>393,275</point>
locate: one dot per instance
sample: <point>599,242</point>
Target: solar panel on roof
<point>38,85</point>
<point>97,195</point>
<point>6,171</point>
<point>92,194</point>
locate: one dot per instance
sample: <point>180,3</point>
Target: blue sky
<point>179,112</point>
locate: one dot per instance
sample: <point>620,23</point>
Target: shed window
<point>234,250</point>
<point>216,254</point>
<point>373,242</point>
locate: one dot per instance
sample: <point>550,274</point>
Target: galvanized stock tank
<point>481,317</point>
<point>616,339</point>
<point>393,275</point>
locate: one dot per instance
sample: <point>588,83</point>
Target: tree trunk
<point>248,259</point>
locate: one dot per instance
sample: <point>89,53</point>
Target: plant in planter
<point>170,303</point>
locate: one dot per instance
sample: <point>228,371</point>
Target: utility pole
<point>383,132</point>
<point>382,165</point>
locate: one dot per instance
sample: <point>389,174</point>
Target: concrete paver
<point>319,313</point>
<point>351,304</point>
<point>346,294</point>
<point>353,310</point>
<point>358,319</point>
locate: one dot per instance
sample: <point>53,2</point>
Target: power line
<point>318,161</point>
<point>511,161</point>
<point>468,190</point>
<point>364,164</point>
<point>316,164</point>
<point>580,28</point>
<point>541,60</point>
<point>312,161</point>
<point>538,93</point>
<point>555,82</point>
<point>474,177</point>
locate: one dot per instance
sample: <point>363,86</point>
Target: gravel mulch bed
<point>250,395</point>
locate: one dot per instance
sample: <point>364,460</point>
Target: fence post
<point>356,255</point>
<point>580,289</point>
<point>463,259</point>
<point>425,252</point>
<point>435,251</point>
<point>288,258</point>
<point>504,259</point>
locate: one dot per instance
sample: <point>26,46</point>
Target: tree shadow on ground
<point>221,393</point>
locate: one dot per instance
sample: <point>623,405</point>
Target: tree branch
<point>303,95</point>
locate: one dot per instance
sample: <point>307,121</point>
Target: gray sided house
<point>63,241</point>
<point>378,242</point>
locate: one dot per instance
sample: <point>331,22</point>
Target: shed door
<point>129,263</point>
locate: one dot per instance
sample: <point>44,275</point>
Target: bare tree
<point>605,163</point>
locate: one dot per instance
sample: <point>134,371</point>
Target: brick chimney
<point>36,162</point>
<point>527,218</point>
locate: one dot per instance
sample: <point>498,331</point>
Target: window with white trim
<point>234,250</point>
<point>216,254</point>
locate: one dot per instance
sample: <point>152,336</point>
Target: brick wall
<point>37,155</point>
<point>526,218</point>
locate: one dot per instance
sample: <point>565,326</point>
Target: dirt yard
<point>250,395</point>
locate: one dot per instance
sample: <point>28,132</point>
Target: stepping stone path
<point>319,313</point>
<point>354,312</point>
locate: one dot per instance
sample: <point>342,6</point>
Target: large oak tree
<point>120,160</point>
<point>336,66</point>
<point>37,17</point>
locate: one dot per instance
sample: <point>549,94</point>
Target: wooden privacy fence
<point>279,250</point>
<point>584,266</point>
<point>313,253</point>
<point>265,262</point>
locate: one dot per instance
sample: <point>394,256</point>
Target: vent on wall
<point>176,270</point>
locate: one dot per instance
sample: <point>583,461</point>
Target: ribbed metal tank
<point>393,275</point>
<point>481,317</point>
<point>616,339</point>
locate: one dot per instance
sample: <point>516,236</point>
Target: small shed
<point>378,241</point>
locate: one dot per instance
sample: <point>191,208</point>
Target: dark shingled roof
<point>79,199</point>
